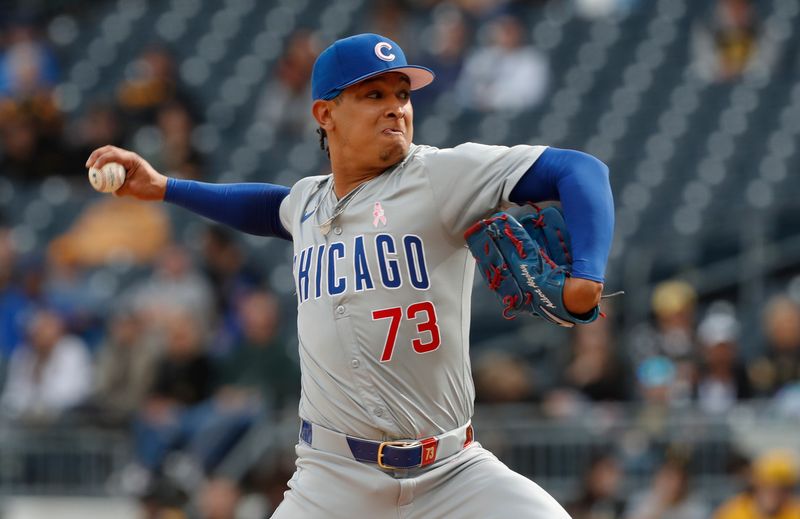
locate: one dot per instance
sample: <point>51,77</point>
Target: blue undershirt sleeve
<point>581,183</point>
<point>251,208</point>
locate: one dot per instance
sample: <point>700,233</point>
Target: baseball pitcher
<point>385,248</point>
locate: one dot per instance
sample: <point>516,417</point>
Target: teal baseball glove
<point>526,263</point>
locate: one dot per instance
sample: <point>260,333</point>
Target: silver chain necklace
<point>341,205</point>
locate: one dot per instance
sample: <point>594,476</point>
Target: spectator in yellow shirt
<point>775,475</point>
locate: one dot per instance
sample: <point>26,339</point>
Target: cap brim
<point>420,76</point>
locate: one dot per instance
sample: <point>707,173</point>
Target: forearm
<point>251,208</point>
<point>581,183</point>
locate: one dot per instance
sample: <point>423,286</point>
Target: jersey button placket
<point>337,230</point>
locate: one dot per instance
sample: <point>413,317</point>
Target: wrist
<point>581,295</point>
<point>161,185</point>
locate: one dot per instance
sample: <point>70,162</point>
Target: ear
<point>321,110</point>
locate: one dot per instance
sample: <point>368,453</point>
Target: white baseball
<point>108,179</point>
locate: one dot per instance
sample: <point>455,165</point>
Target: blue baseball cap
<point>350,60</point>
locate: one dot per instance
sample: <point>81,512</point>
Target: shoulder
<point>427,155</point>
<point>306,186</point>
<point>474,154</point>
<point>309,183</point>
<point>423,151</point>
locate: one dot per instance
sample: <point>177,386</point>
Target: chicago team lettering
<point>340,266</point>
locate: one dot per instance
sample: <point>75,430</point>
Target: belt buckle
<point>383,445</point>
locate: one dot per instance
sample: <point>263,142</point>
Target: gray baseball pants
<point>472,484</point>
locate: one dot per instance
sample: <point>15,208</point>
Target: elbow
<point>583,164</point>
<point>595,165</point>
<point>603,168</point>
<point>595,173</point>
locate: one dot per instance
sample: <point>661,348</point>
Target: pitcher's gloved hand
<point>527,263</point>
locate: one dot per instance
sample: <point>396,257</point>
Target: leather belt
<point>393,454</point>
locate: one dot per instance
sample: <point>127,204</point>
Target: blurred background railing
<point>60,461</point>
<point>557,454</point>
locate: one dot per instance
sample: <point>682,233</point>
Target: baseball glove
<point>526,263</point>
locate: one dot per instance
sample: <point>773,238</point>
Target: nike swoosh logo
<point>306,216</point>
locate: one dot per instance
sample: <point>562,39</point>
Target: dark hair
<point>323,135</point>
<point>323,145</point>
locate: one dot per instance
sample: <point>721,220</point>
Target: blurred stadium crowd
<point>179,333</point>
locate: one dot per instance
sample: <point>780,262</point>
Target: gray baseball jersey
<point>383,285</point>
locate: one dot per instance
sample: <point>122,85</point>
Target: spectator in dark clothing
<point>502,377</point>
<point>391,18</point>
<point>153,84</point>
<point>284,101</point>
<point>258,375</point>
<point>669,496</point>
<point>596,369</point>
<point>28,155</point>
<point>204,420</point>
<point>226,267</point>
<point>177,155</point>
<point>99,125</point>
<point>14,303</point>
<point>671,336</point>
<point>722,378</point>
<point>184,378</point>
<point>594,372</point>
<point>599,495</point>
<point>445,55</point>
<point>30,120</point>
<point>260,367</point>
<point>124,371</point>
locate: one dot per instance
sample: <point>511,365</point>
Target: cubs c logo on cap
<point>350,60</point>
<point>379,49</point>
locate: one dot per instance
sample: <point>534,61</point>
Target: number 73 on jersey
<point>423,314</point>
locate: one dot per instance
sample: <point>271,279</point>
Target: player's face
<point>374,120</point>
